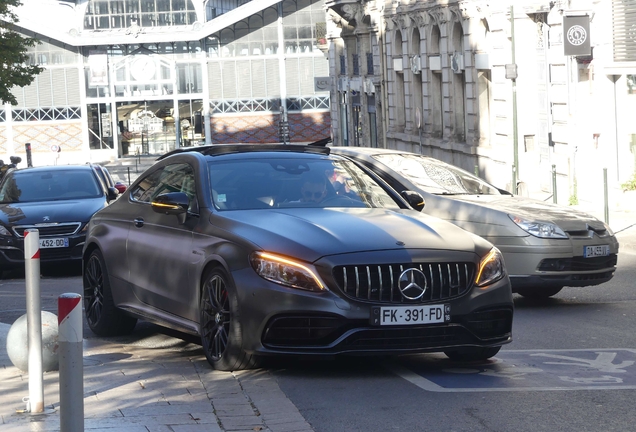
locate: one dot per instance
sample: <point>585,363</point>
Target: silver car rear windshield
<point>288,182</point>
<point>436,177</point>
<point>35,186</point>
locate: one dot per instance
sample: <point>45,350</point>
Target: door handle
<point>139,222</point>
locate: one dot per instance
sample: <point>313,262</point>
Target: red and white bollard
<point>34,319</point>
<point>70,337</point>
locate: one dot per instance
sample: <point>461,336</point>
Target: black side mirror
<point>173,203</point>
<point>414,199</point>
<point>504,192</point>
<point>112,193</point>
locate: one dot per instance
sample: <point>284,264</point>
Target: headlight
<point>539,229</point>
<point>4,231</point>
<point>491,268</point>
<point>286,272</point>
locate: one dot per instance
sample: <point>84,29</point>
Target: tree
<point>13,54</point>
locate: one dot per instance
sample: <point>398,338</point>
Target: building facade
<point>507,98</point>
<point>128,77</point>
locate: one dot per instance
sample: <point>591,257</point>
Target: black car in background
<point>58,201</point>
<point>108,180</point>
<point>258,251</point>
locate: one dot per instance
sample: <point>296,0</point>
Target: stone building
<point>126,77</point>
<point>461,81</point>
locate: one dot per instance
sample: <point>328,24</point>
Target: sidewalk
<point>142,387</point>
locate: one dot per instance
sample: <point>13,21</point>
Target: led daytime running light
<point>291,263</point>
<point>486,260</point>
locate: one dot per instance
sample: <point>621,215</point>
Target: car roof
<point>223,149</point>
<point>54,168</point>
<point>371,150</point>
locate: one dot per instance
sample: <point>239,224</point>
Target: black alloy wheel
<point>103,318</point>
<point>221,335</point>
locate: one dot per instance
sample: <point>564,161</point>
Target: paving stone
<point>291,427</point>
<point>222,402</point>
<point>233,423</point>
<point>197,428</point>
<point>165,409</point>
<point>170,419</point>
<point>120,428</point>
<point>236,410</point>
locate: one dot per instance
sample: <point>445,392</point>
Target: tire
<point>221,333</point>
<point>472,354</point>
<point>103,318</point>
<point>539,293</point>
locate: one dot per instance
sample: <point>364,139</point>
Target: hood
<point>568,218</point>
<point>310,234</point>
<point>30,213</point>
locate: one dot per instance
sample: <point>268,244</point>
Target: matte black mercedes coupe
<point>260,250</point>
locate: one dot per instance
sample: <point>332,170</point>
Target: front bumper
<point>12,252</point>
<point>278,320</point>
<point>532,261</point>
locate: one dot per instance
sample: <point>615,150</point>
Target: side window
<point>171,178</point>
<point>144,190</point>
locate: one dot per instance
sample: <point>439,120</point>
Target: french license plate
<point>49,243</point>
<point>410,315</point>
<point>596,251</point>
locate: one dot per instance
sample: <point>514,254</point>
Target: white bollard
<point>34,319</point>
<point>69,313</point>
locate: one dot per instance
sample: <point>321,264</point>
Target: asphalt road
<point>571,367</point>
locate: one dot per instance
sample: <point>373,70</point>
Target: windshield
<point>285,181</point>
<point>435,176</point>
<point>32,186</point>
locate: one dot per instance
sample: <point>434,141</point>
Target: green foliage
<point>630,184</point>
<point>574,200</point>
<point>13,54</point>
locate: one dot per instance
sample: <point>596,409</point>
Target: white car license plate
<point>410,315</point>
<point>48,243</point>
<point>596,251</point>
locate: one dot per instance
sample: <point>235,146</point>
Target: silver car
<point>546,246</point>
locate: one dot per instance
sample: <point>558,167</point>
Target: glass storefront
<point>100,131</point>
<point>114,14</point>
<point>191,122</point>
<point>146,127</point>
<point>157,96</point>
<point>157,91</point>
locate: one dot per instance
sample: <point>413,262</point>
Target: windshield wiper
<point>455,193</point>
